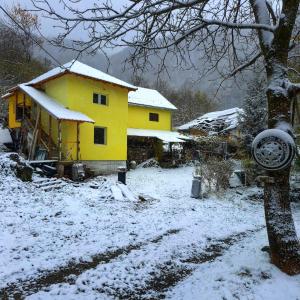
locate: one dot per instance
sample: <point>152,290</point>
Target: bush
<point>216,173</point>
<point>252,170</point>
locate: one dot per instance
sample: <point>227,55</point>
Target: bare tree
<point>246,32</point>
<point>17,62</point>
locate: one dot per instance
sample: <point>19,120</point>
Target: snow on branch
<point>262,16</point>
<point>245,65</point>
<point>240,25</point>
<point>216,29</point>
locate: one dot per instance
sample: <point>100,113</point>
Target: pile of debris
<point>6,142</point>
<point>217,122</point>
<point>13,164</point>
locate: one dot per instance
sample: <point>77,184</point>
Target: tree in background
<point>17,63</point>
<point>246,32</point>
<point>139,80</point>
<point>253,119</point>
<point>190,102</point>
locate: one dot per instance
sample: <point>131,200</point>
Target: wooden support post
<point>78,141</point>
<point>59,142</point>
<point>49,136</point>
<point>24,105</point>
<point>39,128</point>
<point>35,135</point>
<point>16,105</point>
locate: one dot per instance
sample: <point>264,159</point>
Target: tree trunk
<point>283,241</point>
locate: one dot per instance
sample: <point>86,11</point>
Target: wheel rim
<point>273,149</point>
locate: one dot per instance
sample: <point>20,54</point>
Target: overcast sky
<point>47,26</point>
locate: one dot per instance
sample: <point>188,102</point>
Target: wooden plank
<point>35,135</point>
<point>39,133</point>
<point>78,141</point>
<point>59,142</point>
<point>50,134</point>
<point>46,161</point>
<point>16,104</point>
<point>24,105</point>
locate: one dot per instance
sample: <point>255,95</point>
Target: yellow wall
<point>77,94</point>
<point>138,117</point>
<point>58,89</point>
<point>12,122</point>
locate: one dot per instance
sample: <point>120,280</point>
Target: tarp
<point>5,136</point>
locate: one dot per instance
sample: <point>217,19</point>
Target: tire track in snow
<point>172,272</point>
<point>28,287</point>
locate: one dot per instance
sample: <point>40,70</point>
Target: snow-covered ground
<point>79,242</point>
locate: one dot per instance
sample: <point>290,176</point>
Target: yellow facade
<point>17,98</point>
<point>76,93</point>
<point>138,117</point>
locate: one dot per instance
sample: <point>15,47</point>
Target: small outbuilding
<point>224,123</point>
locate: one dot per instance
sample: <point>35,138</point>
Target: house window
<point>19,113</point>
<point>153,117</point>
<point>100,135</point>
<point>100,99</point>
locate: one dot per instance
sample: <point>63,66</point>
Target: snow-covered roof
<point>54,108</point>
<point>217,121</point>
<point>164,135</point>
<point>149,97</point>
<point>76,67</point>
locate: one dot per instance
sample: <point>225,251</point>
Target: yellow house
<point>78,113</point>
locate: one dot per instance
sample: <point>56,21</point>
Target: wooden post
<point>35,135</point>
<point>59,140</point>
<point>78,141</point>
<point>39,128</point>
<point>16,105</point>
<point>49,137</point>
<point>24,105</point>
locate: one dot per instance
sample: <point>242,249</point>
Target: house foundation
<point>102,167</point>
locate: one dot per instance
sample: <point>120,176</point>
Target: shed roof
<point>54,108</point>
<point>149,97</point>
<point>217,121</point>
<point>76,67</point>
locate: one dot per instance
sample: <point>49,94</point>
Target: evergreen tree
<point>253,119</point>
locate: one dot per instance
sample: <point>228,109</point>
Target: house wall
<point>18,97</point>
<point>58,89</point>
<point>76,93</point>
<point>138,117</point>
<point>12,122</point>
